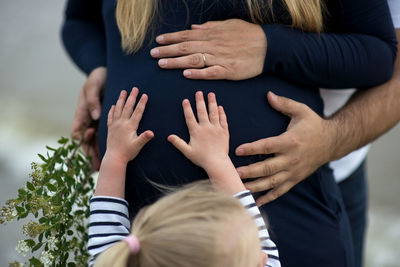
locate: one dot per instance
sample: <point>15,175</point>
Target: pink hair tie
<point>133,243</point>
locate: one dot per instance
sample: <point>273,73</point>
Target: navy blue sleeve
<point>83,34</point>
<point>357,50</point>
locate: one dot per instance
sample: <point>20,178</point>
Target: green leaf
<point>52,187</point>
<point>40,237</point>
<point>63,141</point>
<point>30,242</point>
<point>71,264</point>
<point>50,148</point>
<point>43,220</point>
<point>70,232</point>
<point>70,181</point>
<point>57,198</point>
<point>30,186</point>
<point>40,191</point>
<point>79,212</point>
<point>66,256</point>
<point>21,193</point>
<point>68,209</point>
<point>46,179</point>
<point>42,158</point>
<point>35,262</point>
<point>39,245</point>
<point>81,159</point>
<point>20,209</point>
<point>23,215</point>
<point>59,180</point>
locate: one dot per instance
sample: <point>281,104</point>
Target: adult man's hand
<point>297,153</point>
<point>87,111</point>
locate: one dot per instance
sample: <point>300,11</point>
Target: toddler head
<point>194,226</point>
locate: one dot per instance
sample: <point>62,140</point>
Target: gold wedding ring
<point>204,59</point>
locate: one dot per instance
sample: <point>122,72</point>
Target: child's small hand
<point>209,137</point>
<point>123,143</point>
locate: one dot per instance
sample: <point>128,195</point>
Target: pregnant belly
<point>249,116</point>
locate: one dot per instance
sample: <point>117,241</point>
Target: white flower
<point>52,243</point>
<point>22,247</point>
<point>46,258</point>
<point>14,213</point>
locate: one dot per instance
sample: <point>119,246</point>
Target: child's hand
<point>209,137</point>
<point>123,143</point>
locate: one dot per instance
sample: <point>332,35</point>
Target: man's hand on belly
<point>298,152</point>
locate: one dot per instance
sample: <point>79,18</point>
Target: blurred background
<point>39,88</point>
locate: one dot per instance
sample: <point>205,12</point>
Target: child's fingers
<point>143,138</point>
<point>138,112</point>
<point>110,116</point>
<point>189,115</point>
<point>202,114</point>
<point>222,117</point>
<point>213,108</point>
<point>130,103</point>
<point>120,104</point>
<point>179,144</point>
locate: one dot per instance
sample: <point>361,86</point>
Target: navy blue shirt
<point>357,49</point>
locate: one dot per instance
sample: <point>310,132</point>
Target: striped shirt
<point>109,223</point>
<point>267,245</point>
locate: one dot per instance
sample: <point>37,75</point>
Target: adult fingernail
<point>273,96</point>
<point>95,114</point>
<point>154,52</point>
<point>240,151</point>
<point>159,38</point>
<point>187,73</point>
<point>163,62</point>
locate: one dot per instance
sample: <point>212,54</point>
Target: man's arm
<point>374,111</point>
<point>311,141</point>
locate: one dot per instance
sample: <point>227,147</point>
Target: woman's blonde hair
<point>135,17</point>
<point>194,226</point>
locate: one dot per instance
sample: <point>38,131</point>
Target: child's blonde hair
<point>194,226</point>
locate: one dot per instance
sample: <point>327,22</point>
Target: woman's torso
<point>249,115</point>
<point>299,217</point>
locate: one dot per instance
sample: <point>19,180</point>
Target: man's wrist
<point>337,139</point>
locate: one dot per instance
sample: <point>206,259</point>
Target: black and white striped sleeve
<point>109,223</point>
<point>267,245</point>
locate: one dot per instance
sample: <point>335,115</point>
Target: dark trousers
<point>309,224</point>
<point>354,193</point>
